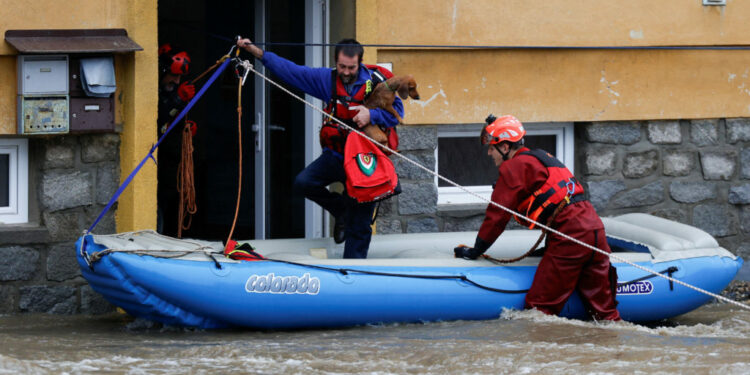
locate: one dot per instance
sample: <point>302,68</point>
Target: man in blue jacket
<point>344,89</point>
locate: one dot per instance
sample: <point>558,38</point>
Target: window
<point>14,171</point>
<point>461,159</point>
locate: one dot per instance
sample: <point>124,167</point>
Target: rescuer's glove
<point>466,252</point>
<point>186,91</point>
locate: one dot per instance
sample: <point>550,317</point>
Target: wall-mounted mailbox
<point>43,101</point>
<point>91,115</point>
<point>66,79</point>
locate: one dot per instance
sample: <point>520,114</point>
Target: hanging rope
<point>186,181</point>
<point>508,210</point>
<point>241,82</point>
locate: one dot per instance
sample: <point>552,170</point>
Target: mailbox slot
<point>43,75</point>
<point>91,115</point>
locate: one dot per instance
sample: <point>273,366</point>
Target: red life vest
<point>561,187</point>
<point>370,175</point>
<point>334,136</point>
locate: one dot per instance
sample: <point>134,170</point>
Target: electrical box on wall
<point>43,102</point>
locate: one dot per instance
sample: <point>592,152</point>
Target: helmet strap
<point>504,155</point>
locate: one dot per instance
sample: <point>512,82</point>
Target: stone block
<point>66,190</point>
<point>718,165</point>
<point>692,192</point>
<point>18,263</point>
<point>59,156</point>
<point>107,224</point>
<point>422,225</point>
<point>678,163</point>
<point>674,214</point>
<point>625,133</point>
<point>738,130</point>
<point>704,132</point>
<point>107,182</point>
<point>417,198</point>
<point>650,194</point>
<point>48,299</point>
<point>640,164</point>
<point>417,138</point>
<point>600,192</point>
<point>745,219</point>
<point>23,235</point>
<point>745,163</point>
<point>664,132</point>
<point>63,225</point>
<point>7,299</point>
<point>388,226</point>
<point>93,303</point>
<point>743,251</point>
<point>600,161</point>
<point>466,224</point>
<point>716,219</point>
<point>61,262</point>
<point>739,194</point>
<point>388,207</point>
<point>100,147</point>
<point>409,171</point>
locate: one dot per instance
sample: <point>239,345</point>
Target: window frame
<point>17,211</point>
<point>449,196</point>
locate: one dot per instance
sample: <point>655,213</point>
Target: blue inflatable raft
<point>407,278</point>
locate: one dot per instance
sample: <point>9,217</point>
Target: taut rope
<point>508,210</point>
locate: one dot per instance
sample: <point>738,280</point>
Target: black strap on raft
<point>669,271</point>
<point>346,271</point>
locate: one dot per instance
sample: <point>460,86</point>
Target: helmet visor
<point>486,138</point>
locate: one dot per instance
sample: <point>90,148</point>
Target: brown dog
<point>383,96</point>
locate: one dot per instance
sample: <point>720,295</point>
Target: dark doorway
<point>206,29</point>
<point>286,141</point>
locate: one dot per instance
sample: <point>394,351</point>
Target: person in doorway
<point>174,94</point>
<point>344,89</point>
<point>537,185</point>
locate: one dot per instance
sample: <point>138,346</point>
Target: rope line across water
<point>540,225</point>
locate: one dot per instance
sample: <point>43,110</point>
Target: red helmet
<point>502,129</point>
<point>172,62</point>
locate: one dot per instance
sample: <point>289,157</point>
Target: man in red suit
<point>535,184</point>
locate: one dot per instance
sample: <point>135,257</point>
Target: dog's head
<point>407,88</point>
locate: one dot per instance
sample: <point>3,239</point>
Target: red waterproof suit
<point>565,266</point>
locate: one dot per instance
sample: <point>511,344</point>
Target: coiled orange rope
<point>186,182</point>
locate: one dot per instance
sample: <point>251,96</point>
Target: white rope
<point>611,255</point>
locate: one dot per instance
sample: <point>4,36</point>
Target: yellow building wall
<point>137,80</point>
<point>463,85</point>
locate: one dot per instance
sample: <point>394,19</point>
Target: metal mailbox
<point>43,94</point>
<point>52,100</point>
<point>91,115</point>
<point>88,114</point>
<point>43,75</point>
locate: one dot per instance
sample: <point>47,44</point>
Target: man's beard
<point>346,78</point>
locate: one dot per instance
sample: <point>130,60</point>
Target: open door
<point>279,134</point>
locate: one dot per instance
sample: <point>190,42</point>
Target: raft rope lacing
<point>540,225</point>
